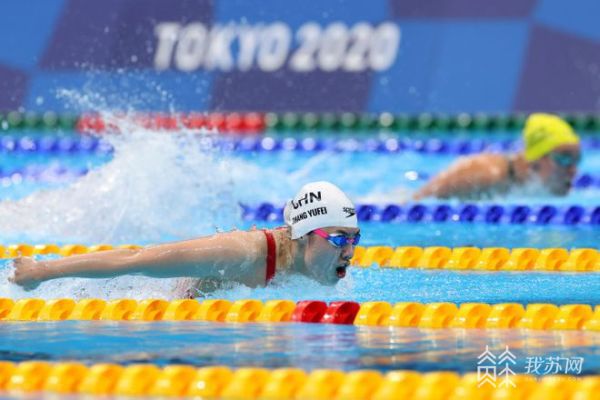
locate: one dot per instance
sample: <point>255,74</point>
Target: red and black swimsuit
<point>271,255</point>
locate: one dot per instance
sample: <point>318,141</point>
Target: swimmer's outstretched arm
<point>229,256</point>
<point>466,175</point>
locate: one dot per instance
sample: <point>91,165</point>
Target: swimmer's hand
<point>27,273</point>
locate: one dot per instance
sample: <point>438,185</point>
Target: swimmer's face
<point>325,262</point>
<point>558,168</point>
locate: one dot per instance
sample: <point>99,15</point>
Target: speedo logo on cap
<point>350,212</point>
<point>306,199</point>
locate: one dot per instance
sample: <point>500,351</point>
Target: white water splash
<point>157,187</point>
<point>289,286</point>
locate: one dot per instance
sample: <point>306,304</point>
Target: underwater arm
<point>226,256</point>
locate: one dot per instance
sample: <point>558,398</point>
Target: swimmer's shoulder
<point>257,238</point>
<point>495,158</point>
<point>492,163</point>
<point>251,239</point>
<point>258,234</point>
<point>244,243</point>
<point>483,159</point>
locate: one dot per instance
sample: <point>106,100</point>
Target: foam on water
<point>289,286</point>
<point>156,187</point>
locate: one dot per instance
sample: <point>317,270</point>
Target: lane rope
<point>186,381</point>
<point>440,146</point>
<point>479,259</point>
<point>491,213</point>
<point>250,122</point>
<point>374,313</point>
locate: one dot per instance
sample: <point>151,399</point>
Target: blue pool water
<point>159,188</point>
<point>307,346</point>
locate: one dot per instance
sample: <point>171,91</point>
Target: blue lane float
<point>373,145</point>
<point>90,144</point>
<point>457,213</point>
<point>50,144</point>
<point>40,173</point>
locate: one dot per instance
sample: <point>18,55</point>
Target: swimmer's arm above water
<point>466,175</point>
<point>229,256</point>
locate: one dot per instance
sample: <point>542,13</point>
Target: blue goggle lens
<point>342,240</point>
<point>565,160</point>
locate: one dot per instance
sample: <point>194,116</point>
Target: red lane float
<point>309,311</point>
<point>235,123</point>
<point>341,312</point>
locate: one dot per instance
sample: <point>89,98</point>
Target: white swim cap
<point>319,205</point>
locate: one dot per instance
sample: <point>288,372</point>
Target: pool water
<point>306,346</point>
<point>157,188</point>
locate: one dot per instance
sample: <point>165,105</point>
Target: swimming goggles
<point>338,240</point>
<point>565,160</point>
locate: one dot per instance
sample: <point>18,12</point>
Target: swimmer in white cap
<point>317,241</point>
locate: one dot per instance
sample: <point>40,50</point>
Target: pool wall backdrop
<point>342,55</point>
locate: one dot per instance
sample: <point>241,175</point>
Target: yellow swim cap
<point>545,132</point>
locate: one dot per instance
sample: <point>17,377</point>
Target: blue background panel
<point>132,90</point>
<point>296,13</point>
<point>454,56</point>
<point>25,29</point>
<point>453,67</point>
<point>580,17</point>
